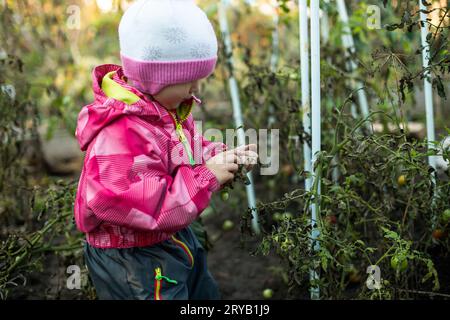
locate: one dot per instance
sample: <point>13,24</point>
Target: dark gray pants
<point>151,272</point>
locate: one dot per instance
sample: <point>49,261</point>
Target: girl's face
<point>171,96</point>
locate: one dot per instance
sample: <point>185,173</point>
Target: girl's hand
<point>223,166</point>
<point>247,156</point>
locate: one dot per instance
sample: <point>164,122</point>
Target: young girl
<point>148,174</point>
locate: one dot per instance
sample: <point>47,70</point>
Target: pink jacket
<point>137,186</point>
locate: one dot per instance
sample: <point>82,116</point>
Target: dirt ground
<point>239,274</point>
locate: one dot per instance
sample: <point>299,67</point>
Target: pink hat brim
<point>152,76</point>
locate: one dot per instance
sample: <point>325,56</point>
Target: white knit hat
<point>164,42</point>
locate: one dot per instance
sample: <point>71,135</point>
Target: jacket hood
<point>114,98</point>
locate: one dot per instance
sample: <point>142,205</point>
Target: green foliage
<point>366,217</point>
<point>22,253</point>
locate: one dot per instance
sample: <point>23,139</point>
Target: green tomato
<point>276,216</point>
<point>286,245</point>
<point>446,216</point>
<point>267,293</point>
<point>225,195</point>
<point>399,263</point>
<point>227,225</point>
<point>287,215</point>
<point>271,183</point>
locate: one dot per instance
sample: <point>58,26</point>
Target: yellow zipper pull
<point>182,138</point>
<point>178,127</point>
<point>180,132</point>
<point>159,277</point>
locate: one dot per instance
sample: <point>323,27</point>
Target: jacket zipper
<point>158,283</point>
<point>182,137</point>
<point>185,248</point>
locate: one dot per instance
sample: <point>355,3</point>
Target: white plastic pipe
<point>427,84</point>
<point>237,112</point>
<point>349,44</point>
<point>274,62</point>
<point>315,126</point>
<point>273,67</point>
<point>324,26</point>
<point>275,41</point>
<point>304,74</point>
<point>427,88</point>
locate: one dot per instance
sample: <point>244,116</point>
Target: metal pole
<point>315,127</point>
<point>237,112</point>
<point>349,45</point>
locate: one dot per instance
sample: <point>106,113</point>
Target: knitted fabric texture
<point>164,42</point>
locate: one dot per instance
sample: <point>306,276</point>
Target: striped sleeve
<point>134,190</point>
